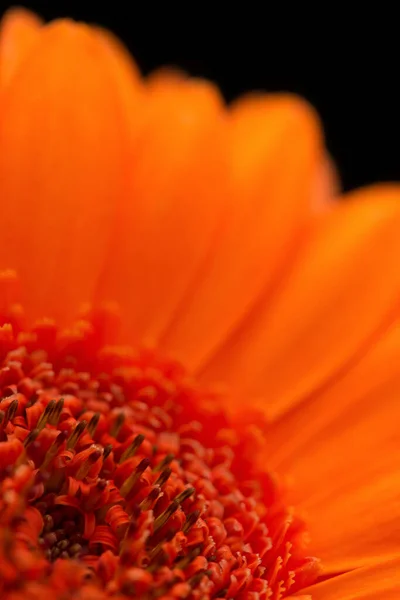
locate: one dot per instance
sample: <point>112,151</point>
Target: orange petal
<point>175,207</point>
<point>305,426</point>
<point>341,453</point>
<point>378,582</point>
<point>362,523</point>
<point>19,30</point>
<point>126,77</point>
<point>342,290</point>
<point>274,153</point>
<point>64,167</point>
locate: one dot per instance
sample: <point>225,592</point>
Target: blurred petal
<point>341,453</point>
<point>274,153</point>
<point>378,582</point>
<point>305,426</point>
<point>341,294</point>
<point>63,173</point>
<point>126,77</point>
<point>18,31</point>
<point>176,195</point>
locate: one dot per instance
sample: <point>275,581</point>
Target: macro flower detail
<point>199,339</point>
<point>112,461</point>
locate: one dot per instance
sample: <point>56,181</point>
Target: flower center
<point>119,477</point>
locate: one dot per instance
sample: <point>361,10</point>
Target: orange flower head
<point>146,226</point>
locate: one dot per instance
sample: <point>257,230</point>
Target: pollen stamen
<point>56,412</point>
<point>116,428</point>
<point>46,415</point>
<point>164,463</point>
<point>107,451</point>
<point>163,477</point>
<point>89,462</point>
<point>93,423</point>
<point>133,448</point>
<point>76,434</point>
<point>31,437</point>
<point>129,484</point>
<point>147,503</point>
<point>53,450</point>
<point>190,521</point>
<point>10,412</point>
<point>172,508</point>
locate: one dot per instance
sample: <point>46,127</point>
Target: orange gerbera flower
<point>214,232</point>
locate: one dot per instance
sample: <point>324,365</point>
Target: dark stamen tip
<point>107,451</point>
<point>163,477</point>
<point>132,449</point>
<point>12,409</point>
<point>190,521</point>
<point>184,495</point>
<point>31,437</point>
<point>142,466</point>
<point>94,421</point>
<point>164,463</point>
<point>96,454</point>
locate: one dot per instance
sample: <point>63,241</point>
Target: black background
<point>347,70</point>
